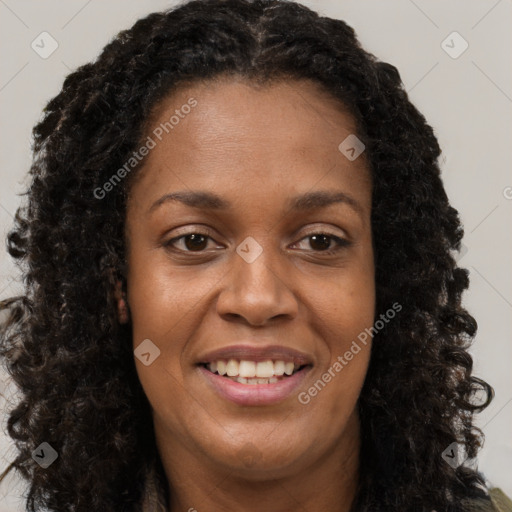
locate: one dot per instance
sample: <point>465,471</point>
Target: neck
<point>328,483</point>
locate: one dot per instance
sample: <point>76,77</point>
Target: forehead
<point>297,111</point>
<point>279,135</point>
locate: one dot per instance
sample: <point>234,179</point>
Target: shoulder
<point>501,502</point>
<point>498,502</point>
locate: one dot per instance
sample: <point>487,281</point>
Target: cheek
<point>163,299</point>
<point>344,306</point>
<point>166,307</point>
<point>158,305</point>
<point>344,313</point>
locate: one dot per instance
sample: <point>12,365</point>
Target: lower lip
<point>255,394</point>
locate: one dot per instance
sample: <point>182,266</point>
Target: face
<point>250,240</point>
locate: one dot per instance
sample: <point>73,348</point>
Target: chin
<point>258,464</point>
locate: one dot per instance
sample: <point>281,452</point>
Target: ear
<point>122,305</point>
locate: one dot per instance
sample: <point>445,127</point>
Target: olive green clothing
<point>499,503</point>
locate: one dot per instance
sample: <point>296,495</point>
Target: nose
<point>258,291</point>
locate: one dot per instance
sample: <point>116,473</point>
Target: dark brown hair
<point>72,360</point>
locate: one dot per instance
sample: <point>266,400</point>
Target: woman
<point>240,286</point>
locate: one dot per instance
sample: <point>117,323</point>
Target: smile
<point>254,372</point>
<point>254,382</point>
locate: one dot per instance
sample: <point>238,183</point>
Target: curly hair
<point>72,360</point>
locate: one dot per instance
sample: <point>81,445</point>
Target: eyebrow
<point>308,201</point>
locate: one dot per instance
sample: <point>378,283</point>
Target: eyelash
<point>342,243</point>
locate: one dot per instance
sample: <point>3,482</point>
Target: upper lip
<point>252,353</point>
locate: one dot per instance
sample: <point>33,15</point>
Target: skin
<point>257,148</point>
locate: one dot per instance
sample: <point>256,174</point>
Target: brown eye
<point>321,242</point>
<point>192,242</point>
<point>195,242</point>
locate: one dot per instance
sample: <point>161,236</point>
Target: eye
<point>191,242</point>
<point>198,242</point>
<point>321,242</point>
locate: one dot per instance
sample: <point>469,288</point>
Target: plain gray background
<point>466,99</point>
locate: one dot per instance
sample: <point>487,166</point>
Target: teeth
<point>247,369</point>
<point>232,368</point>
<point>252,371</point>
<point>279,368</point>
<point>221,367</point>
<point>242,380</point>
<point>265,369</point>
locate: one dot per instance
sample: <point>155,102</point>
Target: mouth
<point>250,375</point>
<point>254,383</point>
<point>254,372</point>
